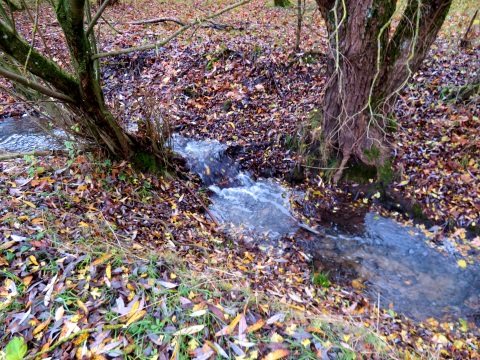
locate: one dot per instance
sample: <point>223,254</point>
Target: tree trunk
<point>100,123</point>
<point>367,68</point>
<point>282,3</point>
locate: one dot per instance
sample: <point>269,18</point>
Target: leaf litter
<point>201,294</point>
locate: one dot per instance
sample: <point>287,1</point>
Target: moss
<point>417,211</point>
<point>360,173</point>
<point>392,125</point>
<point>282,3</point>
<point>372,154</point>
<point>385,172</point>
<point>321,279</point>
<point>146,162</point>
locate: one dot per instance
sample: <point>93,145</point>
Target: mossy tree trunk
<point>282,3</point>
<point>99,121</point>
<point>81,91</point>
<point>368,65</point>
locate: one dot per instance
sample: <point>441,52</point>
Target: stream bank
<point>392,262</point>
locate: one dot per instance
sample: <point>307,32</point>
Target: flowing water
<point>394,261</point>
<point>21,135</point>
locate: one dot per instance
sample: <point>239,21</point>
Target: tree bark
<point>100,123</point>
<point>367,68</point>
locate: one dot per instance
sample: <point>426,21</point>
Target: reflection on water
<point>402,269</point>
<point>21,135</point>
<point>394,260</point>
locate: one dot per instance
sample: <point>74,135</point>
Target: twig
<point>33,153</point>
<point>97,16</point>
<point>464,41</point>
<point>35,86</point>
<point>59,342</point>
<point>323,168</point>
<point>155,21</point>
<point>201,203</point>
<point>272,75</point>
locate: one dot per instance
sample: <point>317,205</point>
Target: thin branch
<point>155,21</point>
<point>35,86</point>
<point>97,16</point>
<point>171,37</point>
<point>464,41</point>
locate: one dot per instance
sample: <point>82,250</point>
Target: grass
<point>205,301</point>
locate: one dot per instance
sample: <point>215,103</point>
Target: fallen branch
<point>156,21</point>
<point>171,37</point>
<point>34,153</point>
<point>201,203</point>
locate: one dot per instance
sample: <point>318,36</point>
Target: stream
<point>394,261</point>
<point>21,135</point>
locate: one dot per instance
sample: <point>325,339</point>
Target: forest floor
<point>98,260</point>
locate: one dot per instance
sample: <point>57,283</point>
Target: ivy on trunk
<point>369,62</point>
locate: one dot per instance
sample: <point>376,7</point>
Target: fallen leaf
<point>277,354</point>
<point>190,330</point>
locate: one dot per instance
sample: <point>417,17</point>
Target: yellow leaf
<point>192,345</point>
<point>32,205</point>
<point>78,341</point>
<point>306,343</point>
<point>136,317</point>
<point>27,280</point>
<point>108,271</point>
<point>357,284</point>
<point>42,326</point>
<point>229,329</point>
<point>33,260</point>
<point>75,318</point>
<point>276,338</point>
<point>37,221</point>
<point>277,354</point>
<point>346,337</point>
<point>440,338</point>
<point>134,308</point>
<point>315,330</point>
<point>82,306</point>
<point>102,259</point>
<point>233,324</point>
<point>462,263</point>
<point>257,326</point>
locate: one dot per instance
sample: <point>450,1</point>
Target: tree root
<point>341,168</point>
